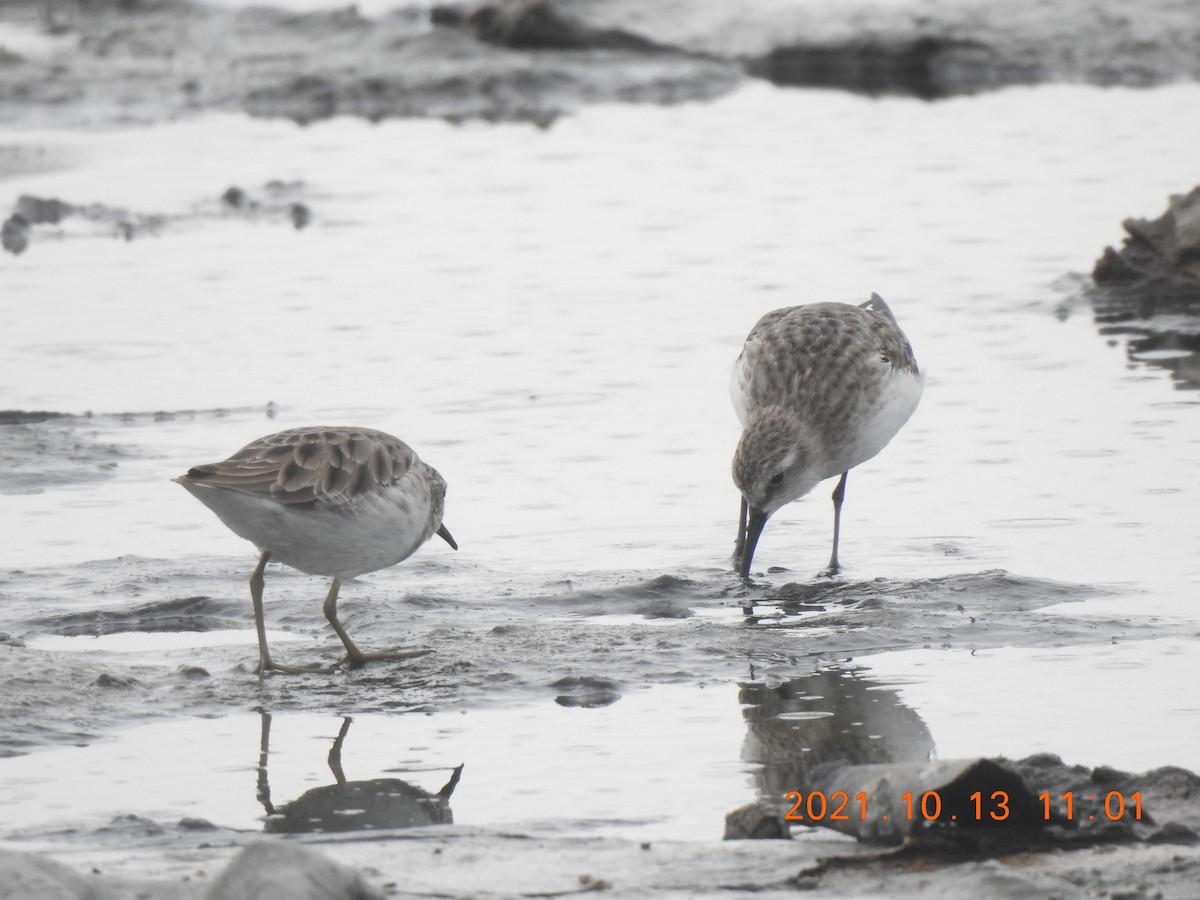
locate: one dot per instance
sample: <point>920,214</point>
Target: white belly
<point>877,420</point>
<point>373,532</point>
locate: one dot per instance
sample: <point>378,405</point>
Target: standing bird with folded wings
<point>339,502</point>
<point>819,389</point>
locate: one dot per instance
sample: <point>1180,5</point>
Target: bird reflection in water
<point>832,716</point>
<point>352,805</point>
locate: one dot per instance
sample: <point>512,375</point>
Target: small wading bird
<point>818,389</point>
<point>327,501</point>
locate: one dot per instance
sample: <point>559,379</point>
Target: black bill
<point>751,522</point>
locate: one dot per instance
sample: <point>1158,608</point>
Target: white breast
<point>372,532</point>
<point>739,378</point>
<point>880,418</point>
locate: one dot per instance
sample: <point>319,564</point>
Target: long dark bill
<point>753,520</point>
<point>445,535</point>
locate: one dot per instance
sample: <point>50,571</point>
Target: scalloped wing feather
<point>310,465</point>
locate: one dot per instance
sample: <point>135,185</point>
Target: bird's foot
<point>830,571</point>
<point>359,659</point>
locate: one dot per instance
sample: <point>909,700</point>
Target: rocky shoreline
<point>1149,289</point>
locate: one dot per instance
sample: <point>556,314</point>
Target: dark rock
<point>234,197</point>
<point>300,215</point>
<point>756,821</point>
<point>31,211</point>
<point>927,804</point>
<point>1149,290</point>
<point>1187,230</point>
<point>28,417</point>
<point>927,67</point>
<point>986,808</point>
<point>586,692</point>
<point>14,234</point>
<point>546,25</point>
<point>279,201</point>
<point>1158,806</point>
<point>1112,266</point>
<point>190,823</point>
<point>115,681</point>
<point>447,15</point>
<point>1174,833</point>
<point>38,210</point>
<point>1159,256</point>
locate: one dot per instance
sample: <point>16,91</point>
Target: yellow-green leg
<point>839,494</point>
<point>265,663</point>
<point>355,657</point>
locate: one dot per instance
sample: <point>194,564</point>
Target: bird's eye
<point>776,480</point>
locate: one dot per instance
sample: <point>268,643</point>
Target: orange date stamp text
<point>841,806</point>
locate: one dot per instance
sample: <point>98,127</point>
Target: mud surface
<point>54,219</point>
<point>509,644</point>
<point>147,60</point>
<point>632,629</point>
<point>516,647</point>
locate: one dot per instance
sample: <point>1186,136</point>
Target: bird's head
<point>772,466</point>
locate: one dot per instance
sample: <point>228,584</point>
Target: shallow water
<point>524,764</point>
<point>549,317</point>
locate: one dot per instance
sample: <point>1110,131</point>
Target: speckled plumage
<point>339,502</point>
<point>303,465</point>
<point>819,389</point>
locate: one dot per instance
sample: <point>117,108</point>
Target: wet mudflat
<point>548,315</point>
<point>163,757</point>
<point>576,648</point>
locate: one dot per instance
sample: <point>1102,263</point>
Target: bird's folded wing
<point>295,468</point>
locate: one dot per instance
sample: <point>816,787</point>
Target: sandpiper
<point>339,502</point>
<point>819,389</point>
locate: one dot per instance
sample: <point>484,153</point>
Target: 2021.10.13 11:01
<point>815,806</point>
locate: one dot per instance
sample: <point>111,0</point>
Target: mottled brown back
<point>304,465</point>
